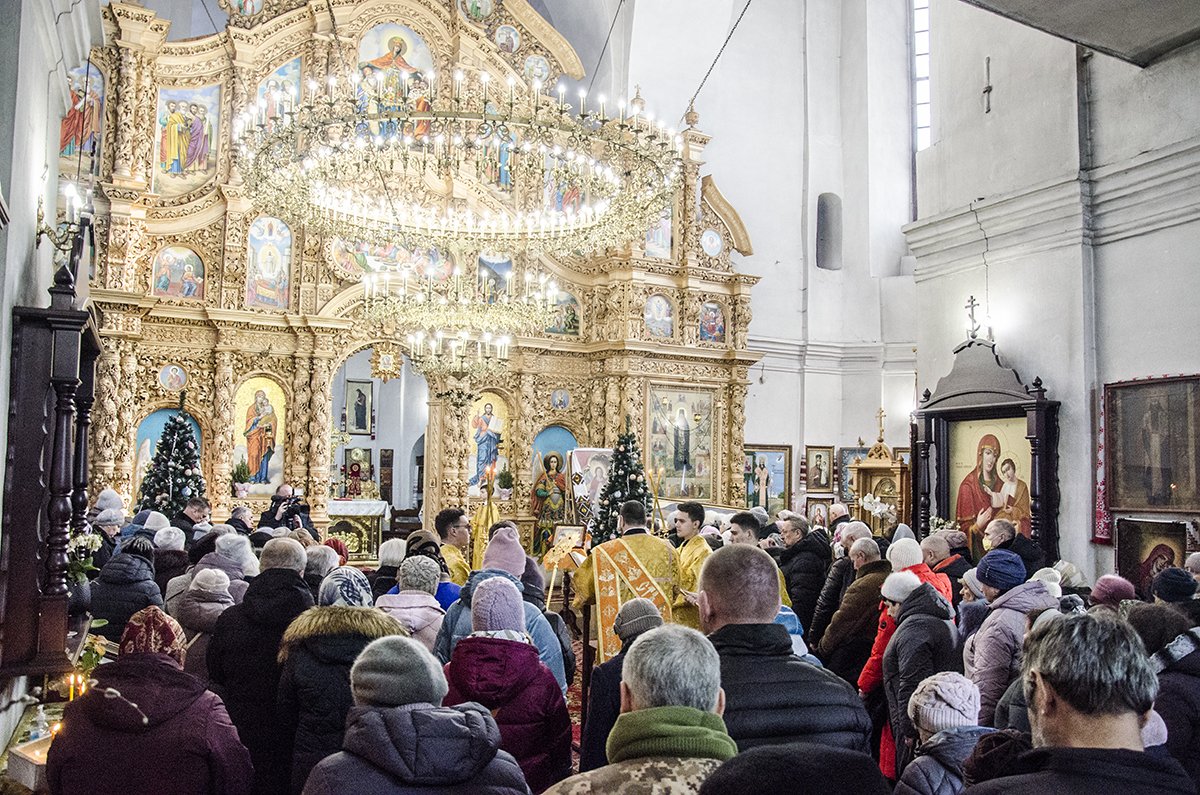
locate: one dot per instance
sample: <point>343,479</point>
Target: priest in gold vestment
<point>635,564</point>
<point>692,554</point>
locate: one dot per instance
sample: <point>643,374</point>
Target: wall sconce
<point>65,239</point>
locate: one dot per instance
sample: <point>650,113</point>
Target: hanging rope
<point>604,49</point>
<point>699,88</point>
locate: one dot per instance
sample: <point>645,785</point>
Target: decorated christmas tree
<point>626,481</point>
<point>173,476</point>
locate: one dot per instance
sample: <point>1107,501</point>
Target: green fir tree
<point>173,477</point>
<point>626,481</point>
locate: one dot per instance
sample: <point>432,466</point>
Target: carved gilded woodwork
<point>607,369</point>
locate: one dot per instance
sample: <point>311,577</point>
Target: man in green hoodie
<point>669,736</point>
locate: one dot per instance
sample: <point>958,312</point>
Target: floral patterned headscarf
<point>151,631</point>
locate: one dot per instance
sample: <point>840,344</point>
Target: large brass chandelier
<point>458,325</point>
<point>384,158</point>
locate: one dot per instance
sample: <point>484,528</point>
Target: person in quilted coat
<point>125,586</point>
<point>397,734</point>
<point>992,657</point>
<point>922,645</point>
<point>944,710</point>
<point>498,667</point>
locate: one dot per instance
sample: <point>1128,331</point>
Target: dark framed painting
<point>987,448</point>
<point>818,469</point>
<point>1152,430</point>
<point>848,456</point>
<point>359,407</point>
<point>767,471</point>
<point>817,510</point>
<point>1144,547</point>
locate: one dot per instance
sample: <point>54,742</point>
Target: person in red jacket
<point>498,666</point>
<point>904,555</point>
<point>145,726</point>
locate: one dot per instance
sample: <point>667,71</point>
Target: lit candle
<point>512,89</point>
<point>562,97</point>
<point>602,107</point>
<point>582,102</point>
<point>484,79</point>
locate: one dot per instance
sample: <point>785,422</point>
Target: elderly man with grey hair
<point>773,696</point>
<point>1090,688</point>
<point>669,736</point>
<point>319,561</point>
<point>846,645</point>
<point>242,658</point>
<point>841,575</point>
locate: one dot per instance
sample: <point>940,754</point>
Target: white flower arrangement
<point>878,508</point>
<point>937,524</point>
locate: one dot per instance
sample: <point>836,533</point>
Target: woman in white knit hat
<point>945,710</point>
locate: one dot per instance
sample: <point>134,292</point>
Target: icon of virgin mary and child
<point>992,491</point>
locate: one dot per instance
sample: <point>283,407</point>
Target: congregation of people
<point>752,654</point>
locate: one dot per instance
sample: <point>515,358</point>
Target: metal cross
<point>987,87</point>
<point>972,325</point>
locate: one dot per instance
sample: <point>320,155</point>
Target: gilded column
<point>736,436</point>
<point>105,424</point>
<point>143,139</point>
<point>223,429</point>
<point>127,86</point>
<point>299,433</point>
<point>319,426</point>
<point>127,422</point>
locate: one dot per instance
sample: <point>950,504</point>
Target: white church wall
<point>1026,138</point>
<point>39,42</point>
<point>1138,110</point>
<point>401,412</point>
<point>1088,283</point>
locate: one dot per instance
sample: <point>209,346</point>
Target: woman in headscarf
<point>168,732</point>
<point>975,505</point>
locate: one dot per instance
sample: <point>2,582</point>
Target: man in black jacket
<point>771,695</point>
<point>804,561</point>
<point>240,520</point>
<point>242,656</point>
<point>841,575</point>
<point>1002,534</point>
<point>1089,686</point>
<point>936,551</point>
<point>195,512</point>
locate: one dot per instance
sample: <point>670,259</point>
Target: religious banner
<point>681,442</point>
<point>259,408</point>
<point>589,472</point>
